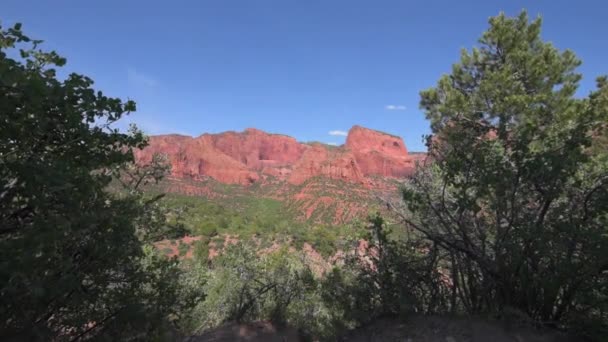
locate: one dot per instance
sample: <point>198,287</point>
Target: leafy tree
<point>516,196</point>
<point>72,263</point>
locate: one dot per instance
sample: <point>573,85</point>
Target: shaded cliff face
<point>296,172</point>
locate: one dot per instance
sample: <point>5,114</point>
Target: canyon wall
<point>253,155</point>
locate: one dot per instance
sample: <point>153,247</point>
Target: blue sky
<point>310,69</point>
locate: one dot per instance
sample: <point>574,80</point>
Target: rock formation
<point>321,182</point>
<point>379,153</point>
<point>249,156</point>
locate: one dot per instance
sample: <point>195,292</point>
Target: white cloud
<point>395,107</point>
<point>339,133</point>
<point>332,143</point>
<point>139,79</point>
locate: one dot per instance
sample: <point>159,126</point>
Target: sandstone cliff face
<point>321,160</point>
<point>197,158</point>
<point>379,153</point>
<point>257,149</point>
<point>247,157</point>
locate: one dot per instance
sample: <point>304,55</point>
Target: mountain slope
<point>321,182</point>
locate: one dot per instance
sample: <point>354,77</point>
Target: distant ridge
<point>318,180</point>
<point>246,157</point>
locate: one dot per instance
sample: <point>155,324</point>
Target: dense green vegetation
<point>246,217</point>
<point>283,286</point>
<point>510,218</point>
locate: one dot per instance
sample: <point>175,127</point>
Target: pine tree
<point>515,194</point>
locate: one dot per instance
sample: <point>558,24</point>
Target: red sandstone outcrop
<point>379,153</point>
<point>319,160</point>
<point>196,158</point>
<point>257,149</point>
<point>245,157</point>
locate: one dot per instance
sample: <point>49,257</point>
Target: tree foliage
<point>72,263</point>
<point>516,195</point>
<point>241,285</point>
<point>385,277</point>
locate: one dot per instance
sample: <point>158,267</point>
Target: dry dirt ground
<point>413,329</point>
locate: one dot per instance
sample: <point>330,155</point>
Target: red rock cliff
<point>321,160</point>
<point>258,149</point>
<point>379,153</point>
<point>196,158</point>
<point>246,157</point>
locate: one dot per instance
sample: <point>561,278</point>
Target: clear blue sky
<point>302,68</point>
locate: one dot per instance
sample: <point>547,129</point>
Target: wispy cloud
<point>338,133</point>
<point>140,79</point>
<point>395,107</point>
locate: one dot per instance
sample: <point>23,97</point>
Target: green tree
<point>72,263</point>
<point>244,286</point>
<point>385,278</point>
<point>515,195</point>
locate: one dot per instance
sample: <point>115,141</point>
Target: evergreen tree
<point>515,194</point>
